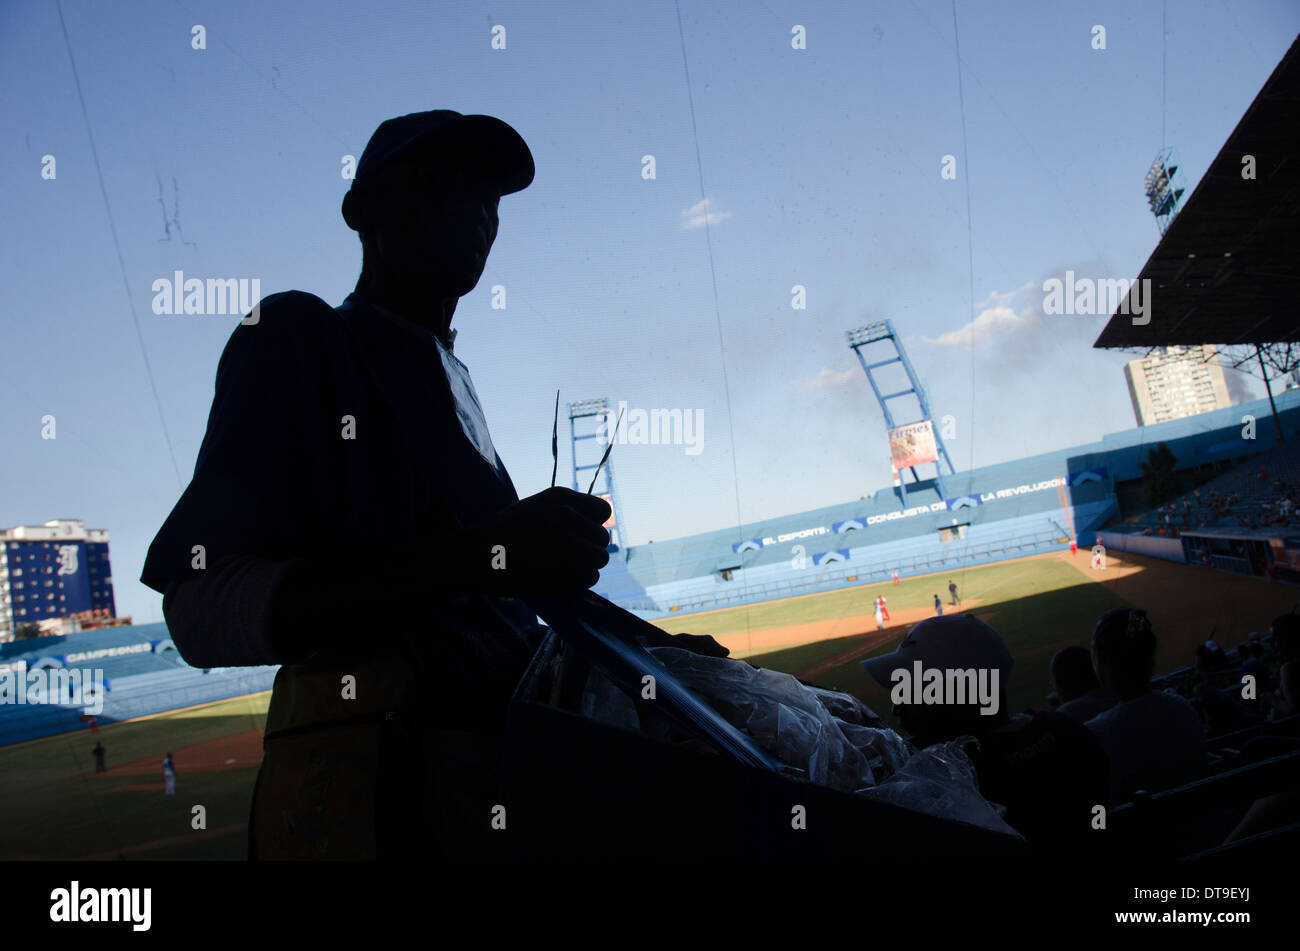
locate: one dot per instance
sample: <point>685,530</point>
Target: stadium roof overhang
<point>1228,268</point>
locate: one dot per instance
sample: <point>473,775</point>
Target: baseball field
<point>58,807</point>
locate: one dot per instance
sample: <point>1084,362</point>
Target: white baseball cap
<point>950,642</point>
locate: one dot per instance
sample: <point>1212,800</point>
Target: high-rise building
<point>1174,382</point>
<point>53,571</point>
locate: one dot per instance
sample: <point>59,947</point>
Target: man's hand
<point>549,543</point>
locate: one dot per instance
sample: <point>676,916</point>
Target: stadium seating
<point>768,574</point>
<point>1197,817</point>
<point>1242,480</point>
<point>143,674</point>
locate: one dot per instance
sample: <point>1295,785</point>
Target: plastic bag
<point>940,780</point>
<point>846,707</point>
<point>790,720</point>
<point>602,701</point>
<point>837,740</point>
<point>885,750</point>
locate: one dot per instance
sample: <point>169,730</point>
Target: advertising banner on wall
<point>912,445</point>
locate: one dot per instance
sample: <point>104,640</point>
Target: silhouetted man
<point>1046,769</point>
<point>1155,740</point>
<point>99,758</point>
<point>349,517</point>
<point>1076,686</point>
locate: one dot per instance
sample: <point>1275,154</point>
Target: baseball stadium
<point>1188,524</point>
<point>1038,547</point>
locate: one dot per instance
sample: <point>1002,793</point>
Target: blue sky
<point>820,167</point>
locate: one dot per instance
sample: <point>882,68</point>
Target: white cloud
<point>1004,298</point>
<point>998,319</point>
<point>703,212</point>
<point>829,379</point>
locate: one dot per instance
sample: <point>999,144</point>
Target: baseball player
<point>169,775</point>
<point>880,617</point>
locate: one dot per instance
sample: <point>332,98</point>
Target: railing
<point>1240,566</point>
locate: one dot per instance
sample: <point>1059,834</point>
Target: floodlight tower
<point>596,413</point>
<point>910,444</point>
<point>1164,194</point>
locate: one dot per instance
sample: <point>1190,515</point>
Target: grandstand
<point>143,674</point>
<point>991,514</point>
<point>1225,274</point>
<point>1193,820</point>
<point>1238,498</point>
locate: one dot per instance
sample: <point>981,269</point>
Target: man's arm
<point>221,617</point>
<point>248,610</point>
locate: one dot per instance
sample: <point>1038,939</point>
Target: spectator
<point>1218,659</point>
<point>1046,769</point>
<point>1250,665</point>
<point>1155,740</point>
<point>1286,636</point>
<point>1277,810</point>
<point>1075,683</point>
<point>1223,711</point>
<point>276,477</point>
<point>1202,664</point>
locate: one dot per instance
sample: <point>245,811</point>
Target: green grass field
<point>56,808</point>
<point>1038,604</point>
